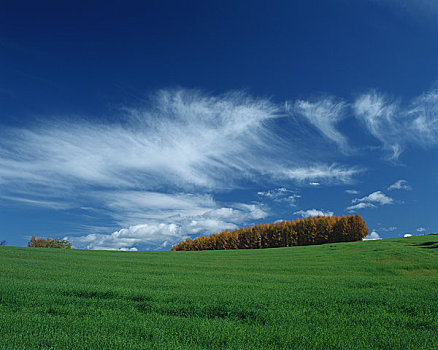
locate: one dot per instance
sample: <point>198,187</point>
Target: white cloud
<point>328,173</point>
<point>377,197</point>
<point>421,229</point>
<point>395,125</point>
<point>183,137</point>
<point>423,112</point>
<point>388,229</point>
<point>352,191</point>
<point>131,207</point>
<point>372,236</point>
<point>175,226</point>
<point>183,140</point>
<point>380,116</point>
<point>314,212</point>
<point>281,195</point>
<point>128,237</point>
<point>370,201</point>
<point>400,185</point>
<point>324,114</point>
<point>275,193</point>
<point>407,235</point>
<point>314,184</point>
<point>133,249</point>
<point>159,220</point>
<point>358,206</point>
<point>38,202</point>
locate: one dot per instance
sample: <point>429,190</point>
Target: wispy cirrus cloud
<point>380,116</point>
<point>397,126</point>
<point>37,202</point>
<point>182,137</point>
<point>324,114</point>
<point>280,195</point>
<point>322,173</point>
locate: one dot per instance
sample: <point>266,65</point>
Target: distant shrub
<point>48,243</point>
<point>304,231</point>
<point>2,242</point>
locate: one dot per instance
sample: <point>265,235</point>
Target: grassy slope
<point>376,294</point>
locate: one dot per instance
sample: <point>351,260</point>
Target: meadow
<point>358,295</point>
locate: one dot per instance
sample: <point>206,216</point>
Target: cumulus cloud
<point>359,206</point>
<point>165,219</point>
<point>314,212</point>
<point>377,197</point>
<point>352,191</point>
<point>406,235</point>
<point>372,236</point>
<point>166,229</point>
<point>400,185</point>
<point>370,201</point>
<point>126,238</point>
<point>421,229</point>
<point>133,249</point>
<point>324,114</point>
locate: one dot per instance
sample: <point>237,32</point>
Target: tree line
<point>302,231</point>
<point>48,243</point>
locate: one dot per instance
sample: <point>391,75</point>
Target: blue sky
<point>133,125</point>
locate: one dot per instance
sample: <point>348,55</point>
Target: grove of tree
<point>48,243</point>
<point>302,231</point>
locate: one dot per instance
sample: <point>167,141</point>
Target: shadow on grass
<point>427,245</point>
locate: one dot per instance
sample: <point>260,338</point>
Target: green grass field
<point>361,295</point>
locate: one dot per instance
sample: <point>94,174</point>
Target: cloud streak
<point>320,173</point>
<point>324,114</point>
<point>397,126</point>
